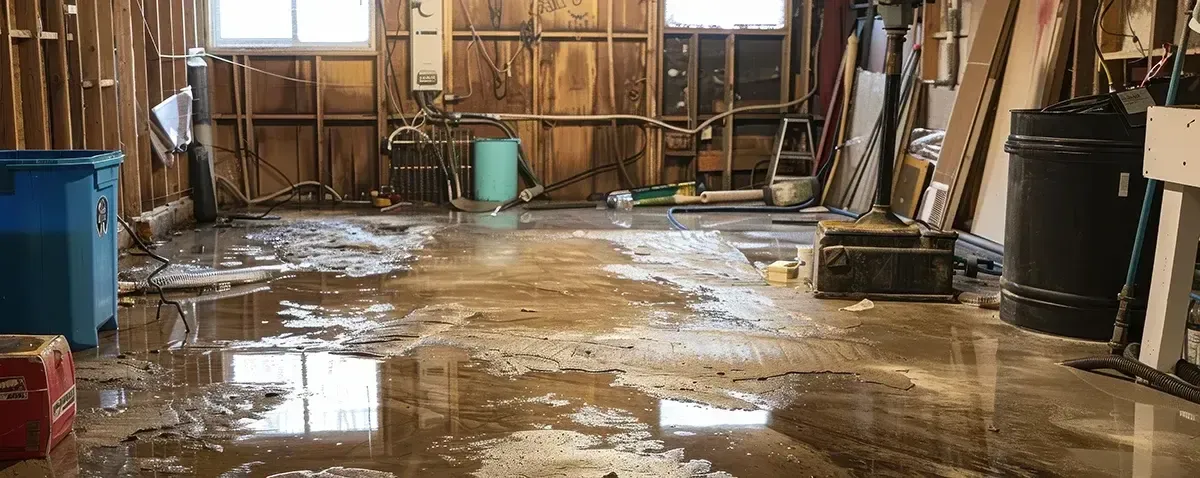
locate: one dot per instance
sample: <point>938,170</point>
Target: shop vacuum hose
<point>1159,380</point>
<point>1189,372</point>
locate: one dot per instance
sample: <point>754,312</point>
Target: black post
<point>200,166</point>
<point>891,118</point>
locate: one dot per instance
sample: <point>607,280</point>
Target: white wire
<point>392,137</point>
<point>703,126</point>
<point>289,78</point>
<point>507,71</point>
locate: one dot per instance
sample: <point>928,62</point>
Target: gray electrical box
<point>426,58</point>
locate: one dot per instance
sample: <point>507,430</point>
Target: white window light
<point>726,15</point>
<point>298,24</point>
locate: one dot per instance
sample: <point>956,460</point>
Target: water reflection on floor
<point>462,393</point>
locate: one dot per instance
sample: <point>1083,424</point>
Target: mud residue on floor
<point>396,337</point>
<point>359,246</point>
<point>110,373</point>
<point>216,412</point>
<point>166,466</point>
<point>573,454</point>
<point>593,416</point>
<point>679,320</point>
<point>335,472</point>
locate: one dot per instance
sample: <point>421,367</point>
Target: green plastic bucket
<point>496,169</point>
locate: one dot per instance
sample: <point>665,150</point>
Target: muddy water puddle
<point>562,353</point>
<point>435,412</point>
<point>480,343</point>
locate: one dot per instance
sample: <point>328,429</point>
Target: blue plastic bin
<point>58,243</point>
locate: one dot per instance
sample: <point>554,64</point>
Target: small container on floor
<point>783,271</point>
<point>37,395</point>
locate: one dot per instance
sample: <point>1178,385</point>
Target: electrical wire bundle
<point>162,295</point>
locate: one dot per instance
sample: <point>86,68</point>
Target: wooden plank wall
<point>59,88</point>
<point>84,74</point>
<point>328,127</point>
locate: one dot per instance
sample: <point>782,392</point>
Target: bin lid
<point>20,344</point>
<point>29,158</point>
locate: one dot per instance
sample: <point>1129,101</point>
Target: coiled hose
<point>1159,380</point>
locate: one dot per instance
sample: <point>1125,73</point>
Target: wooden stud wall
<point>100,63</point>
<point>84,75</point>
<point>1154,23</point>
<point>329,127</point>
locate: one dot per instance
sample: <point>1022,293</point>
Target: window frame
<point>743,28</point>
<point>218,45</point>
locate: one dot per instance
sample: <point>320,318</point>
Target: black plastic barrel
<point>1075,193</point>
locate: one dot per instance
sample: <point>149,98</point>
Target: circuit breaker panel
<point>425,26</point>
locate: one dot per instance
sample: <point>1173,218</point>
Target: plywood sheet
<point>973,103</point>
<point>349,85</point>
<point>864,113</point>
<point>1022,87</point>
<point>353,153</point>
<point>489,91</point>
<point>592,15</point>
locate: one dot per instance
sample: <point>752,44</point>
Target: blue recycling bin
<point>58,243</point>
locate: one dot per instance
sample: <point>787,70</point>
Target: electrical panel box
<point>426,56</point>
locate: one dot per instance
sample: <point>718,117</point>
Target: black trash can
<point>1075,190</point>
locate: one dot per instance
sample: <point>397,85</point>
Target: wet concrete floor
<point>580,343</point>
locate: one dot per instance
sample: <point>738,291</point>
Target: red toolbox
<point>37,394</point>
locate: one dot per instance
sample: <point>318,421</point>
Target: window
<point>726,15</point>
<point>300,24</point>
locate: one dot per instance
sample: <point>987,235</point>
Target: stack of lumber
<point>972,172</point>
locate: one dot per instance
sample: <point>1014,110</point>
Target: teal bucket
<point>496,169</point>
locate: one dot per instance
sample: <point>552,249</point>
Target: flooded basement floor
<point>579,344</point>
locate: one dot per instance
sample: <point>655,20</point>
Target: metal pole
<point>891,117</point>
<point>200,164</point>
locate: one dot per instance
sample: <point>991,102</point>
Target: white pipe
<point>245,200</point>
<point>703,126</point>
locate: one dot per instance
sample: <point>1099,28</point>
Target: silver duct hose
<point>188,280</point>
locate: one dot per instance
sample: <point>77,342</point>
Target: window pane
<point>257,19</point>
<point>334,21</point>
<point>723,14</point>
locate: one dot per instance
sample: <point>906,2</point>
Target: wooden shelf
<point>1134,55</point>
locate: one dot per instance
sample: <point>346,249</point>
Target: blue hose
<point>1139,240</point>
